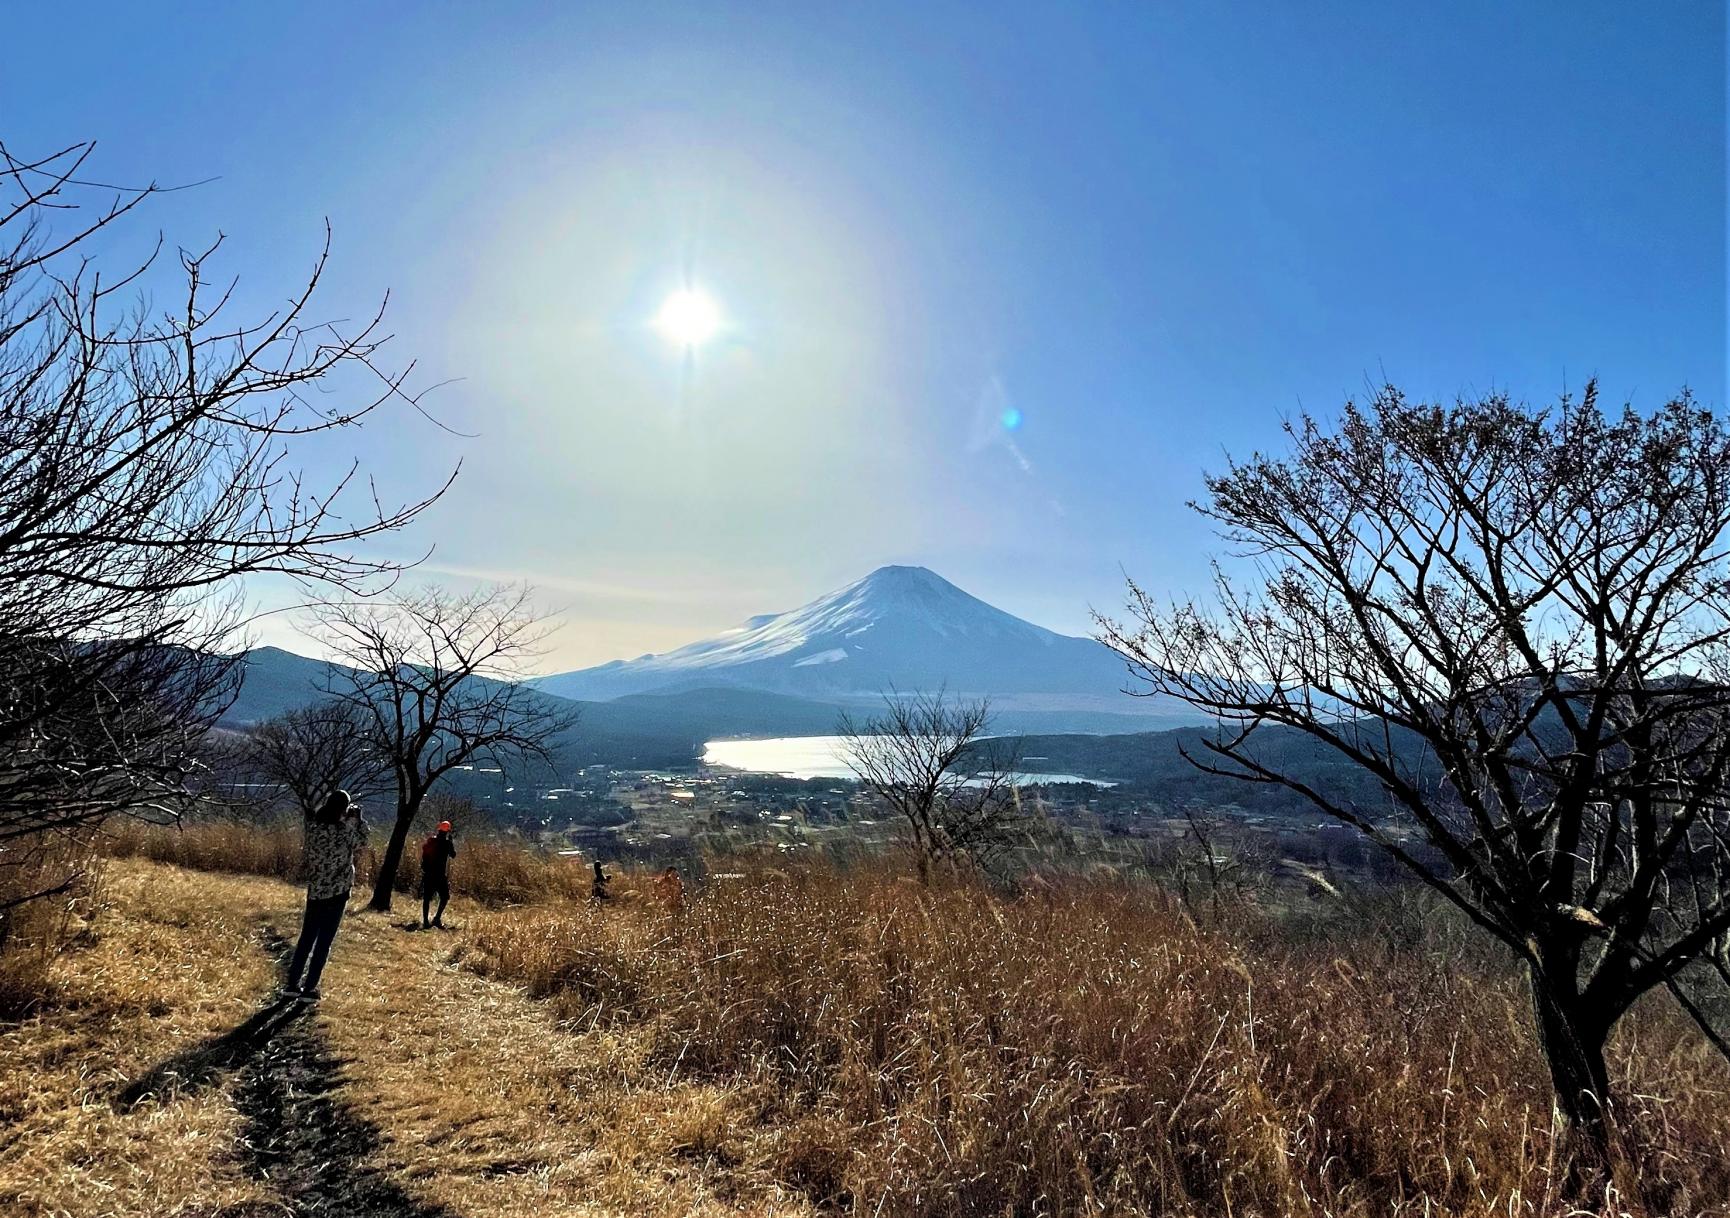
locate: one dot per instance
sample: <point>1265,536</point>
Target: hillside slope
<point>797,1039</point>
<point>651,731</point>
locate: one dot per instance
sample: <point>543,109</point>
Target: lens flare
<point>1011,419</point>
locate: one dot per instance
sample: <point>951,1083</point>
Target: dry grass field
<point>1093,1050</point>
<point>805,1041</point>
<point>432,1090</point>
<point>168,961</point>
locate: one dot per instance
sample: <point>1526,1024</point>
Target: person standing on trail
<point>671,889</point>
<point>599,891</point>
<point>333,835</point>
<point>435,877</point>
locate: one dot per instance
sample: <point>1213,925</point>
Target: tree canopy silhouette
<point>437,676</point>
<point>1535,599</point>
<point>148,460</point>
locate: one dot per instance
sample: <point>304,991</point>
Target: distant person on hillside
<point>435,876</point>
<point>671,889</point>
<point>333,835</point>
<point>602,879</point>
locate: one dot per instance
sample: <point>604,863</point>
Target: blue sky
<point>1149,231</point>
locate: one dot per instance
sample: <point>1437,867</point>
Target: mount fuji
<point>901,628</point>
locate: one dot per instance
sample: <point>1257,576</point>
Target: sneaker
<point>310,995</point>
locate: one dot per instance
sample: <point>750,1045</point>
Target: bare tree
<point>930,759</point>
<point>1202,857</point>
<point>146,461</point>
<point>1517,621</point>
<point>311,751</point>
<point>438,675</point>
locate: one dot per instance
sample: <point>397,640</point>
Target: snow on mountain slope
<point>904,596</point>
<point>900,627</point>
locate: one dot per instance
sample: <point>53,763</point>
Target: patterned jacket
<point>329,863</point>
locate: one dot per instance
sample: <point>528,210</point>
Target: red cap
<point>444,826</point>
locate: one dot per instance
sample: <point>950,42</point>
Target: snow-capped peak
<point>899,626</point>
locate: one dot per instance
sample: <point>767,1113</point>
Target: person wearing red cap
<point>435,877</point>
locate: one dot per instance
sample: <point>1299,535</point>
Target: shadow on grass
<point>316,1153</point>
<point>203,1064</point>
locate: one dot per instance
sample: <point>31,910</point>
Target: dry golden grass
<point>167,962</point>
<point>503,872</point>
<point>243,849</point>
<point>494,871</point>
<point>48,886</point>
<point>816,1041</point>
<point>481,1103</point>
<point>913,1052</point>
<point>494,1110</point>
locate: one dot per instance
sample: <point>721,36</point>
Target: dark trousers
<point>434,884</point>
<point>317,933</point>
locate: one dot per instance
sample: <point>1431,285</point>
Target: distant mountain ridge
<point>654,730</point>
<point>795,673</point>
<point>665,731</point>
<point>903,628</point>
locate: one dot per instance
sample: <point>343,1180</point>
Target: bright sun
<point>688,318</point>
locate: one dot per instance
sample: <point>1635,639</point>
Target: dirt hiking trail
<point>414,1089</point>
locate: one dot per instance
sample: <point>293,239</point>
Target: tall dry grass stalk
<point>1094,1050</point>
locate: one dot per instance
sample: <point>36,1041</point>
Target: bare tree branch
<point>930,759</point>
<point>310,751</point>
<point>1517,621</point>
<point>438,678</point>
<point>147,459</point>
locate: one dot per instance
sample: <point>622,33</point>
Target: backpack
<point>429,849</point>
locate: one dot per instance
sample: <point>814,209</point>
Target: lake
<point>815,757</point>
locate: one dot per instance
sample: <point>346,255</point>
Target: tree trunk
<point>1573,1040</point>
<point>385,882</point>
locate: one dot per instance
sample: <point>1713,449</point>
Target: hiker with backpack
<point>435,877</point>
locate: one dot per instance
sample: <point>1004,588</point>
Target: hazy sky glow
<point>988,294</point>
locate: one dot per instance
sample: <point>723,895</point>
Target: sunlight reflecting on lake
<point>815,757</point>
